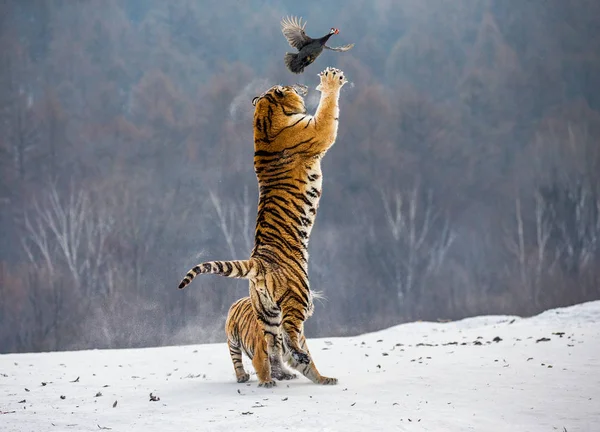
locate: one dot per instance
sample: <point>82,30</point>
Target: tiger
<point>289,144</point>
<point>244,334</point>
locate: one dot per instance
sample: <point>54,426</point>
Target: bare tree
<point>542,235</point>
<point>421,239</point>
<point>65,241</point>
<point>235,222</point>
<point>533,260</point>
<point>69,232</point>
<point>574,217</point>
<point>516,242</point>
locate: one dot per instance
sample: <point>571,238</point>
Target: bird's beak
<point>336,31</point>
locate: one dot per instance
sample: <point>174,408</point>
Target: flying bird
<point>308,48</point>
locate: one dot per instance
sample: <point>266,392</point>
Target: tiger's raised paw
<point>332,79</point>
<point>328,381</point>
<point>267,384</point>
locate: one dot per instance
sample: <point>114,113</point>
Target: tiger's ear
<point>255,100</point>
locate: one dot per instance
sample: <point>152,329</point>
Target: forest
<point>465,178</point>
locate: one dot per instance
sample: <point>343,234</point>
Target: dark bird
<point>308,48</point>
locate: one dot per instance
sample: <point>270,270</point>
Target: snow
<point>409,377</point>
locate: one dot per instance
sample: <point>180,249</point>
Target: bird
<point>308,48</point>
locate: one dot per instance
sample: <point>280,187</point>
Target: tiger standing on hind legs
<point>288,147</point>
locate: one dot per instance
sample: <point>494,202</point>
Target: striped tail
<point>233,269</point>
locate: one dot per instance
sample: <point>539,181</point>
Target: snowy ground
<point>541,374</point>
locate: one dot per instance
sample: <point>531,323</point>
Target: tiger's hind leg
<point>269,318</point>
<point>260,361</point>
<point>279,371</point>
<point>308,370</point>
<point>292,333</point>
<point>236,358</point>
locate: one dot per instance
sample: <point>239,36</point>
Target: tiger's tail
<point>246,269</point>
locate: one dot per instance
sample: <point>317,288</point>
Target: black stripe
<point>269,118</point>
<point>236,312</point>
<point>283,249</point>
<point>247,270</point>
<point>264,140</point>
<point>274,179</point>
<point>293,326</point>
<point>298,295</point>
<point>238,267</point>
<point>263,153</point>
<point>290,113</point>
<point>284,202</point>
<point>272,226</point>
<point>277,170</point>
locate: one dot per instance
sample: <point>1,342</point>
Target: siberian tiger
<point>288,147</point>
<point>244,333</point>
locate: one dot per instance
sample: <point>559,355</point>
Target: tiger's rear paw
<point>267,384</point>
<point>301,357</point>
<point>243,378</point>
<point>284,376</point>
<point>328,381</point>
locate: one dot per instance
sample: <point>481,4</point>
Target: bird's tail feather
<point>292,62</point>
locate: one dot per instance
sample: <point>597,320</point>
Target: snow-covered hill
<point>494,373</point>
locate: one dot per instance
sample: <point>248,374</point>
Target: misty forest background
<point>465,178</point>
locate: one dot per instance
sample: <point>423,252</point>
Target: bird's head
<point>333,31</point>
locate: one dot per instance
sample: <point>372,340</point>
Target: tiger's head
<point>277,110</point>
<point>291,98</point>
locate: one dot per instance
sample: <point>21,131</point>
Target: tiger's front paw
<point>242,378</point>
<point>332,80</point>
<point>267,384</point>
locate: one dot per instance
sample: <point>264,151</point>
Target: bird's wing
<point>293,30</point>
<point>340,49</point>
